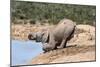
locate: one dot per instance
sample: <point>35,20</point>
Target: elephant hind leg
<point>63,43</point>
<point>66,38</point>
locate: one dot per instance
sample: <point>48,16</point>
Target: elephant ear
<point>45,37</point>
<point>39,36</point>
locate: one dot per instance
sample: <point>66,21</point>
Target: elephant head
<point>39,36</point>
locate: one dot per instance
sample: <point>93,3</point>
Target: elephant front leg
<point>51,44</point>
<point>47,47</point>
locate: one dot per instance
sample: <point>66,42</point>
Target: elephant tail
<point>74,24</point>
<point>72,33</point>
<point>74,27</point>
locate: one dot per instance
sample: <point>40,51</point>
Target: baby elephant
<point>57,37</point>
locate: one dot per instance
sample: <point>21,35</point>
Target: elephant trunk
<point>31,37</point>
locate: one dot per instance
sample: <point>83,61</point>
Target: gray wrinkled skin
<point>56,37</point>
<point>38,36</point>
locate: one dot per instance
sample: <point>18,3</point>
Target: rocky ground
<point>80,48</point>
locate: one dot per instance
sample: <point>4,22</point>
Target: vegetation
<point>51,12</point>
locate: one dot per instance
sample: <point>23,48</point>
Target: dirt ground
<point>70,54</point>
<point>80,48</point>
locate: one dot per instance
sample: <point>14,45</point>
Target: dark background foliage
<point>51,13</point>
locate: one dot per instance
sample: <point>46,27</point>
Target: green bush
<point>52,12</point>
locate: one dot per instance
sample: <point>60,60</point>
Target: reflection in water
<point>23,51</point>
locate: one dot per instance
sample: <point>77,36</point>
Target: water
<point>23,51</point>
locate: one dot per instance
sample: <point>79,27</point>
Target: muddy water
<point>23,51</point>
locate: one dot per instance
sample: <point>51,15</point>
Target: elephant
<point>57,37</point>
